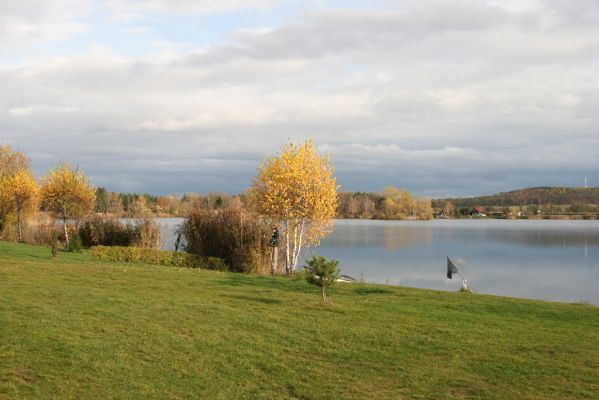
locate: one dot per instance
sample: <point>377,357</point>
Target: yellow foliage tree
<point>401,204</point>
<point>11,161</point>
<point>296,190</point>
<point>66,193</point>
<point>19,193</point>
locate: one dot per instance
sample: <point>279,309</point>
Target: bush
<point>147,234</point>
<point>232,234</point>
<point>157,257</point>
<point>322,273</point>
<point>37,230</point>
<point>108,231</point>
<point>74,245</point>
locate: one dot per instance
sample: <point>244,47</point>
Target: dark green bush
<point>232,234</point>
<point>322,273</point>
<point>74,245</point>
<point>157,257</point>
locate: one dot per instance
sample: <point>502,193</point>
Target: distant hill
<point>537,195</point>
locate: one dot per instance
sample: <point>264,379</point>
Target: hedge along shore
<point>157,257</point>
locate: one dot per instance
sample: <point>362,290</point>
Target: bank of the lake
<point>73,327</point>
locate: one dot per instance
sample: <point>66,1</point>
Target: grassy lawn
<point>73,327</point>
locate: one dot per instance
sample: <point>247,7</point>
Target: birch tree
<point>11,162</point>
<point>296,190</point>
<point>20,194</point>
<point>66,193</point>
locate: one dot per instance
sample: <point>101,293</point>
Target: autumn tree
<point>11,161</point>
<point>297,191</point>
<point>66,193</point>
<point>19,193</point>
<point>401,204</point>
<point>449,209</point>
<point>101,200</point>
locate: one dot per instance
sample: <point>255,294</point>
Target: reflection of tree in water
<point>392,237</point>
<point>355,235</point>
<point>397,237</point>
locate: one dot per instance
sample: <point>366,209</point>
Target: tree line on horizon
<point>390,204</point>
<point>545,201</point>
<point>522,197</point>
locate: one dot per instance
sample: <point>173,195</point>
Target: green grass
<point>73,327</point>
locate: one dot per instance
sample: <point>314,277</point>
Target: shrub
<point>322,273</point>
<point>232,234</point>
<point>147,234</point>
<point>74,245</point>
<point>157,257</point>
<point>109,231</point>
<point>106,231</point>
<point>38,230</point>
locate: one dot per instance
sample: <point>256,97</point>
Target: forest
<point>522,197</point>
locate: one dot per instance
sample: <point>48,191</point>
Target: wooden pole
<point>275,256</point>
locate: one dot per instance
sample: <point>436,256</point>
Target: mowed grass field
<point>73,327</point>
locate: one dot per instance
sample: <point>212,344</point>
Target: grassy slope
<point>73,327</point>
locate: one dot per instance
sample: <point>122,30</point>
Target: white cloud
<point>26,21</point>
<point>137,30</point>
<point>134,9</point>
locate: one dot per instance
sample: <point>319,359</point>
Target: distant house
<point>477,212</point>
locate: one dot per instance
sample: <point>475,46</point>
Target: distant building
<point>477,212</point>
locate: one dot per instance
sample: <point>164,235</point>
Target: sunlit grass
<point>73,327</point>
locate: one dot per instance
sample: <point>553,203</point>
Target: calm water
<point>550,260</point>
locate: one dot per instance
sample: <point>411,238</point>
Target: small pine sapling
<point>54,243</point>
<point>74,246</point>
<point>322,273</point>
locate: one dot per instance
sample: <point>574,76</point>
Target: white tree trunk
<point>287,249</point>
<point>298,244</point>
<point>294,248</point>
<point>64,225</point>
<point>20,224</point>
<point>275,257</point>
<point>293,243</point>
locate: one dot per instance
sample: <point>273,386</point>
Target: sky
<point>444,98</point>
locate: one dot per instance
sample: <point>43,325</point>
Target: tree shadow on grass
<point>372,290</point>
<point>254,299</point>
<point>263,282</point>
<point>23,251</point>
<point>331,307</point>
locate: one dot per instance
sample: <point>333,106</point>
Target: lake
<point>539,259</point>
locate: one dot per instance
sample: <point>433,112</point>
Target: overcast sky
<point>460,97</point>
